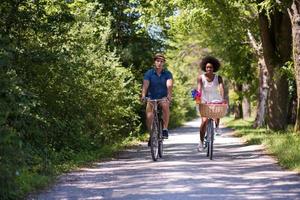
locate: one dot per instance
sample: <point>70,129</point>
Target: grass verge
<point>284,145</point>
<point>31,182</point>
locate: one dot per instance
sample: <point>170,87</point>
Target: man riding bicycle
<point>158,84</point>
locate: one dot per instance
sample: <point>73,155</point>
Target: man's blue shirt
<point>158,84</point>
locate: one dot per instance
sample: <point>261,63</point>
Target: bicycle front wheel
<point>210,134</point>
<point>160,141</point>
<point>154,141</point>
<point>211,148</point>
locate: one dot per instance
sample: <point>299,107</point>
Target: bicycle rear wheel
<point>211,148</point>
<point>154,140</point>
<point>160,140</point>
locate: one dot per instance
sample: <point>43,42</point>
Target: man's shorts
<point>149,107</point>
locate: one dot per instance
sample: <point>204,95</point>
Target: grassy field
<point>284,146</point>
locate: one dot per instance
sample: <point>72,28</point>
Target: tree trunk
<point>263,83</point>
<point>294,12</point>
<point>262,95</point>
<point>246,108</point>
<point>238,110</point>
<point>226,94</point>
<point>246,103</point>
<point>292,113</point>
<point>276,40</point>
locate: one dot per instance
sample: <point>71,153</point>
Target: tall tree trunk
<point>263,83</point>
<point>238,110</point>
<point>276,40</point>
<point>226,94</point>
<point>294,13</point>
<point>246,107</point>
<point>246,103</point>
<point>263,94</point>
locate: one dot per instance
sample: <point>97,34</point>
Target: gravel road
<point>237,172</point>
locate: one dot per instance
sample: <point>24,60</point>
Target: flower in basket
<point>196,95</point>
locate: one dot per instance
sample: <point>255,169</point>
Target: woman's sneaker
<point>218,131</point>
<point>200,146</point>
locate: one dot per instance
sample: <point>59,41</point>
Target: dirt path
<point>237,172</point>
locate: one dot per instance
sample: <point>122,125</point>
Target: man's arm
<point>170,88</point>
<point>145,89</point>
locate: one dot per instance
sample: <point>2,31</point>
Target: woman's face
<point>209,68</point>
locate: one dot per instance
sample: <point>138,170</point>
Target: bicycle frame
<point>156,139</point>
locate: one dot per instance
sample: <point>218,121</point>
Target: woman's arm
<point>199,83</point>
<point>221,87</point>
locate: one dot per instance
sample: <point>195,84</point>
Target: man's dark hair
<point>212,60</point>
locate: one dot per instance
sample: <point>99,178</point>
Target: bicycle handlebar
<point>155,100</point>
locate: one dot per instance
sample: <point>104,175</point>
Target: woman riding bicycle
<point>211,87</point>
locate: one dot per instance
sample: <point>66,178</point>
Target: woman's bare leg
<point>203,128</point>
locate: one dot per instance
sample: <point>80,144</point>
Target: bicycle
<point>209,138</point>
<point>156,137</point>
<point>211,111</point>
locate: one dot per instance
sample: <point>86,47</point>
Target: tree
<point>63,91</point>
<point>133,44</point>
<point>275,28</point>
<point>294,13</point>
<point>221,27</point>
<point>263,82</point>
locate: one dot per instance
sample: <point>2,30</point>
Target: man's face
<point>159,63</point>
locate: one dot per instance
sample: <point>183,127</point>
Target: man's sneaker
<point>165,133</point>
<point>200,146</point>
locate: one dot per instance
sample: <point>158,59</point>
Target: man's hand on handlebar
<point>143,99</point>
<point>169,98</point>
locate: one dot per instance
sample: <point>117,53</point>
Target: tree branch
<point>256,46</point>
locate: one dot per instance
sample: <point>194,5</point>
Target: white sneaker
<point>200,146</point>
<point>218,131</point>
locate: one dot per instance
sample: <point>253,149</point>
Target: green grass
<point>284,146</point>
<point>30,181</point>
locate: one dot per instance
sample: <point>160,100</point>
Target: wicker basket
<point>213,110</point>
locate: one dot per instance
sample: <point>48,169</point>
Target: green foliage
<point>71,73</point>
<point>62,90</point>
<point>183,62</point>
<point>132,43</point>
<point>27,180</point>
<point>272,5</point>
<point>288,71</point>
<point>10,141</point>
<point>220,28</point>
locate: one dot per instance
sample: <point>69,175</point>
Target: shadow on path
<point>237,172</point>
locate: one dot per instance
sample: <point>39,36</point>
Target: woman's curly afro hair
<point>212,60</point>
